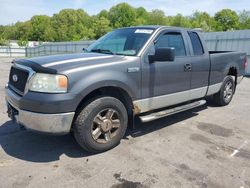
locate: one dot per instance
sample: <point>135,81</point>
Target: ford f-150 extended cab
<point>149,72</point>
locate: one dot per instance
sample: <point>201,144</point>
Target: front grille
<point>18,78</point>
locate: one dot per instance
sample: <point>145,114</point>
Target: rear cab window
<point>196,43</point>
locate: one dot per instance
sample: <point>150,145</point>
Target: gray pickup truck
<point>149,72</point>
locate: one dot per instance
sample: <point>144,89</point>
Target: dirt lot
<point>204,147</point>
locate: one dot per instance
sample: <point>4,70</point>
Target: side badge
<point>133,69</point>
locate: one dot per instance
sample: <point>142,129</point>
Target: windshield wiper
<point>102,51</point>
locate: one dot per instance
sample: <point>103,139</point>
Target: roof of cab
<point>154,27</point>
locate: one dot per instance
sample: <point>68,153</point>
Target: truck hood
<point>59,63</point>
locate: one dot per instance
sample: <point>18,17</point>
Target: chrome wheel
<point>105,125</point>
<point>101,124</point>
<point>228,91</point>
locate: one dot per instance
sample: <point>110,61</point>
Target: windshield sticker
<point>145,31</point>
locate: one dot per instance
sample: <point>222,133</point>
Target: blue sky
<point>12,11</point>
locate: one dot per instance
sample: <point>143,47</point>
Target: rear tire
<point>101,124</point>
<point>225,95</point>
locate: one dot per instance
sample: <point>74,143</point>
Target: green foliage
<point>41,28</point>
<point>70,24</point>
<point>3,42</point>
<point>244,18</point>
<point>157,17</point>
<point>227,20</point>
<point>202,20</point>
<point>101,26</point>
<point>23,30</point>
<point>141,16</point>
<point>22,42</point>
<point>180,21</point>
<point>9,32</point>
<point>122,15</point>
<point>103,13</point>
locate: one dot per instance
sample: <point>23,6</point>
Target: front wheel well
<point>111,91</point>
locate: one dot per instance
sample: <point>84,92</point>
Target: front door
<point>166,83</point>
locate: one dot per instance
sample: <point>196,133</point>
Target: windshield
<point>127,41</point>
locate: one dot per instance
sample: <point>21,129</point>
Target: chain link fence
<point>7,51</point>
<point>57,48</point>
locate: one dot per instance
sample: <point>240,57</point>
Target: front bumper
<point>46,123</point>
<point>51,123</point>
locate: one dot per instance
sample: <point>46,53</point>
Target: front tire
<point>101,124</point>
<point>225,95</point>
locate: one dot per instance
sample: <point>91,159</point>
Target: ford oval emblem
<point>15,78</point>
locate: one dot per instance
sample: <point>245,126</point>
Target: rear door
<point>166,83</point>
<point>200,65</point>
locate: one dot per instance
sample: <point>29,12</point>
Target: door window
<point>174,40</point>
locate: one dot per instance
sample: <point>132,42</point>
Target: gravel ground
<point>203,147</point>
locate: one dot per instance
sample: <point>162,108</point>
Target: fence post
<point>216,42</point>
<point>26,55</point>
<point>10,51</point>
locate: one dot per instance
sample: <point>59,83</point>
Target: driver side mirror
<point>163,54</point>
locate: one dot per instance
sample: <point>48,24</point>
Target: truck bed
<point>221,61</point>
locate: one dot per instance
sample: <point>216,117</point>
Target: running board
<point>168,112</point>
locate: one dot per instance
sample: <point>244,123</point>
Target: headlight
<point>49,83</point>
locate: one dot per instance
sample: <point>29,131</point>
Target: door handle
<point>188,67</point>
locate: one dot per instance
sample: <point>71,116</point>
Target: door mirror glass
<point>163,54</point>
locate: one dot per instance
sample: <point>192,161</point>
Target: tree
<point>22,43</point>
<point>122,15</point>
<point>180,21</point>
<point>141,16</point>
<point>101,26</point>
<point>72,24</point>
<point>42,28</point>
<point>1,30</point>
<point>3,42</point>
<point>104,14</point>
<point>226,20</point>
<point>244,19</point>
<point>202,20</point>
<point>9,32</point>
<point>157,17</point>
<point>23,30</point>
